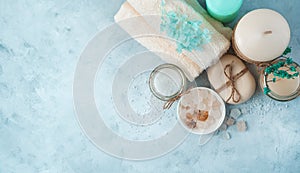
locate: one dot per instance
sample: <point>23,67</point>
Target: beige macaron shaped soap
<point>231,79</point>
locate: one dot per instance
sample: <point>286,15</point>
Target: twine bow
<point>170,102</point>
<point>235,94</point>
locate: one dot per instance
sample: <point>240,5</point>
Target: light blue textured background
<point>40,42</point>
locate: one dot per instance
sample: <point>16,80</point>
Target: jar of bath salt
<point>201,111</point>
<point>167,81</point>
<point>280,79</point>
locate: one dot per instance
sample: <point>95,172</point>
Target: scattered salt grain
<point>241,126</point>
<point>235,113</point>
<point>245,111</point>
<point>230,121</point>
<point>226,135</point>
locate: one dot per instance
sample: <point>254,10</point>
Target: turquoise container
<point>224,10</point>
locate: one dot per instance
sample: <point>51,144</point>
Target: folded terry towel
<point>192,62</point>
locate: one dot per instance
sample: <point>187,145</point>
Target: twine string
<point>170,102</point>
<point>235,94</point>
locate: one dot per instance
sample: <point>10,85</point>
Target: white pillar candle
<point>261,35</point>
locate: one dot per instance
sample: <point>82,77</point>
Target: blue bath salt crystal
<point>187,33</point>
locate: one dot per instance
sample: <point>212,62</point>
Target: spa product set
<point>196,40</point>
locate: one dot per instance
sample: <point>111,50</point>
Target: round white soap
<point>245,85</point>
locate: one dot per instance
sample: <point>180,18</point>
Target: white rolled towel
<point>191,62</point>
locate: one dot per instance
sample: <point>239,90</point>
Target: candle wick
<point>268,32</point>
